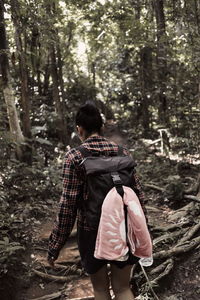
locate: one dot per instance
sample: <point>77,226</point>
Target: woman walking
<point>89,125</point>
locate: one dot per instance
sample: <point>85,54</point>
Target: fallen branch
<point>154,187</point>
<point>54,277</point>
<point>83,298</point>
<point>50,297</point>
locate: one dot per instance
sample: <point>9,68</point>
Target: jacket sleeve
<point>67,209</point>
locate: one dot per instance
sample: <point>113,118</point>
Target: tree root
<point>170,227</point>
<point>184,245</point>
<point>169,264</point>
<point>186,196</point>
<point>180,248</point>
<point>59,294</point>
<point>50,297</point>
<point>72,269</point>
<point>169,236</point>
<point>182,212</point>
<point>190,233</point>
<point>193,198</point>
<point>54,277</point>
<point>160,267</point>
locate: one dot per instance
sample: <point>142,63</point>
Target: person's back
<point>72,205</point>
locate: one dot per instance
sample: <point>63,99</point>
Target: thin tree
<point>161,61</point>
<point>23,73</point>
<point>14,123</point>
<point>56,74</point>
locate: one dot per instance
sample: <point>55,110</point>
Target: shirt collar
<point>95,138</point>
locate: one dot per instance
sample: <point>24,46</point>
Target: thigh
<point>100,279</point>
<point>120,277</point>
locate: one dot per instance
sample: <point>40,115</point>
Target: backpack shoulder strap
<point>84,151</point>
<point>120,150</point>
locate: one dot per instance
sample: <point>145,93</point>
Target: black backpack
<point>102,174</point>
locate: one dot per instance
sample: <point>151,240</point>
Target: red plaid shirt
<point>75,191</point>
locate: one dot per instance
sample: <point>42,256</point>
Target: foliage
<point>108,51</point>
<point>8,251</point>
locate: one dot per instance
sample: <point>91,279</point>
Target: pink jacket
<point>111,242</point>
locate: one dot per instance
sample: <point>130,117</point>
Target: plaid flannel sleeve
<point>67,212</point>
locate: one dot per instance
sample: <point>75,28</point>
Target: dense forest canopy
<point>139,60</point>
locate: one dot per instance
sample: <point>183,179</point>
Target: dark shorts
<point>86,245</point>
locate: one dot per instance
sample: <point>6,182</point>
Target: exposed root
<point>54,277</point>
<point>170,227</point>
<point>169,236</point>
<point>53,296</point>
<point>178,249</point>
<point>193,198</point>
<point>168,267</point>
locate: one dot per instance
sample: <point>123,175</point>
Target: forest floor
<point>182,283</point>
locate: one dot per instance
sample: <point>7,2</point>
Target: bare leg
<point>100,282</point>
<point>120,282</point>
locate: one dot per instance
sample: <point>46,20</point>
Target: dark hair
<point>89,117</point>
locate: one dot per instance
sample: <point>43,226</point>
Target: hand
<point>51,262</point>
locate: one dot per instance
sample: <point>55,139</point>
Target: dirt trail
<point>40,287</point>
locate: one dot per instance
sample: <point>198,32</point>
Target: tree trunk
<point>146,85</point>
<point>56,74</point>
<point>197,8</point>
<point>25,99</point>
<point>14,124</point>
<point>60,73</point>
<point>161,61</point>
<point>36,57</point>
<point>15,8</point>
<point>56,96</point>
<point>46,76</point>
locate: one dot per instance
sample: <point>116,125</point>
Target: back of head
<point>89,118</point>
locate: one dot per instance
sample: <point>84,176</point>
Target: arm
<point>66,216</point>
